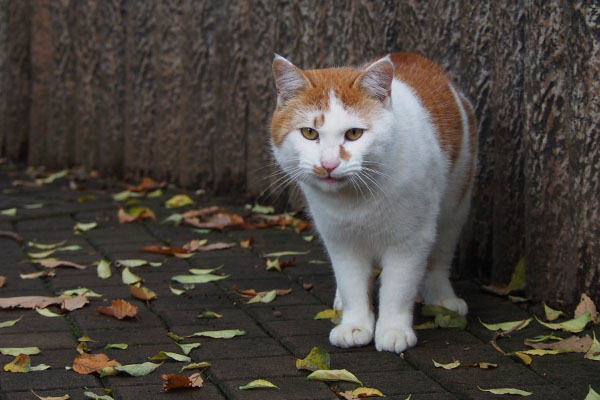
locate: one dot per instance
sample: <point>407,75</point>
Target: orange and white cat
<point>385,155</point>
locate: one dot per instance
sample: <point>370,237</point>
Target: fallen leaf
<point>543,338</point>
<point>207,314</point>
<point>363,392</point>
<point>540,352</point>
<point>517,280</point>
<point>216,246</point>
<point>146,185</point>
<point>426,325</point>
<point>574,344</point>
<point>506,391</point>
<point>7,324</point>
<point>154,194</point>
<point>334,315</point>
<point>593,352</point>
<point>142,369</point>
<point>176,219</point>
<point>317,359</point>
<point>258,384</point>
<point>452,365</point>
<point>194,245</point>
<point>223,334</point>
<point>258,209</point>
<point>592,395</point>
<point>16,351</point>
<point>165,250</point>
<point>46,246</point>
<point>443,317</point>
<point>186,279</point>
<point>95,396</point>
<point>178,201</point>
<point>87,363</point>
<point>573,325</point>
<point>214,218</point>
<point>286,253</point>
<point>80,292</point>
<point>103,270</point>
<point>10,212</point>
<point>82,347</point>
<point>175,291</point>
<point>53,176</point>
<point>66,303</point>
<point>517,299</point>
<point>587,305</point>
<point>129,278</point>
<point>176,381</point>
<point>245,244</point>
<point>267,297</point>
<point>506,326</point>
<point>308,238</point>
<point>2,280</point>
<point>47,313</point>
<point>307,286</point>
<point>84,227</point>
<point>198,365</point>
<point>63,397</point>
<point>499,289</point>
<point>188,347</point>
<point>22,363</point>
<point>119,346</point>
<point>142,293</point>
<point>481,365</point>
<point>333,375</point>
<point>552,314</point>
<point>38,274</point>
<point>135,214</point>
<point>163,355</point>
<point>524,357</point>
<point>119,309</point>
<point>132,263</point>
<point>11,235</point>
<point>175,337</point>
<point>59,263</point>
<point>41,254</point>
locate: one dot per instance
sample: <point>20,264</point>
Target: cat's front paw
<point>455,304</point>
<point>394,338</point>
<point>350,335</point>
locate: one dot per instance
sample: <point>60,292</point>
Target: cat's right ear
<point>288,78</point>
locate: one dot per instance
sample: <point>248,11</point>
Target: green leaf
<point>142,369</point>
<point>594,351</point>
<point>258,209</point>
<point>163,355</point>
<point>258,384</point>
<point>333,375</point>
<point>176,219</point>
<point>543,338</point>
<point>104,271</point>
<point>317,359</point>
<point>198,365</point>
<point>267,298</point>
<point>15,351</point>
<point>540,352</point>
<point>506,326</point>
<point>286,253</point>
<point>156,193</point>
<point>552,314</point>
<point>188,347</point>
<point>207,314</point>
<point>273,264</point>
<point>43,246</point>
<point>334,315</point>
<point>132,263</point>
<point>204,271</point>
<point>175,291</point>
<point>224,334</point>
<point>573,325</point>
<point>73,247</point>
<point>95,396</point>
<point>129,278</point>
<point>198,278</point>
<point>431,310</point>
<point>506,391</point>
<point>592,395</point>
<point>10,212</point>
<point>119,346</point>
<point>35,275</point>
<point>80,292</point>
<point>175,336</point>
<point>308,238</point>
<point>449,321</point>
<point>34,206</point>
<point>180,200</point>
<point>47,313</point>
<point>426,325</point>
<point>52,177</point>
<point>452,365</point>
<point>7,324</point>
<point>122,196</point>
<point>85,226</point>
<point>517,280</point>
<point>41,254</point>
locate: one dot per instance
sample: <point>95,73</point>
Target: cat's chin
<point>330,184</point>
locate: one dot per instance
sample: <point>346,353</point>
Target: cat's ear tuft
<point>288,78</point>
<point>377,79</point>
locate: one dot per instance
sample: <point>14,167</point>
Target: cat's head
<point>331,125</point>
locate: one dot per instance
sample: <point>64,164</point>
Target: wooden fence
<point>182,90</point>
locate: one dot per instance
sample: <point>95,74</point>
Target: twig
<point>501,333</point>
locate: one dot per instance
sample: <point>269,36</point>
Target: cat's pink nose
<point>329,165</point>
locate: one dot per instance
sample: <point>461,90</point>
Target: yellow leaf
<point>178,201</point>
<point>594,351</point>
<point>506,391</point>
<point>366,392</point>
<point>315,360</point>
<point>573,325</point>
<point>333,375</point>
<point>451,365</point>
<point>258,384</point>
<point>506,326</point>
<point>552,314</point>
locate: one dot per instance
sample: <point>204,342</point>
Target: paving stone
<point>46,380</point>
<point>208,391</point>
<point>250,368</point>
<point>238,347</point>
<point>387,382</point>
<point>74,393</point>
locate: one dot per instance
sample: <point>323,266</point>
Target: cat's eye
<point>354,133</point>
<point>309,133</point>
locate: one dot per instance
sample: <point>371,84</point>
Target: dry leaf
<point>146,185</point>
<point>259,384</point>
<point>119,309</point>
<point>194,245</point>
<point>66,303</point>
<point>216,246</point>
<point>176,381</point>
<point>135,214</point>
<point>587,305</point>
<point>87,363</point>
<point>142,293</point>
<point>574,343</point>
<point>63,397</point>
<point>59,263</point>
<point>11,235</point>
<point>2,280</point>
<point>247,243</point>
<point>165,250</point>
<point>499,289</point>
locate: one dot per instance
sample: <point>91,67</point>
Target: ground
<point>276,333</point>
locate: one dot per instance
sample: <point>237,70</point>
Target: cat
<point>385,156</point>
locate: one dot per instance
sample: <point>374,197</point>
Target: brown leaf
<point>11,235</point>
<point>307,286</point>
<point>245,244</point>
<point>250,293</point>
<point>119,309</point>
<point>66,303</point>
<point>288,263</point>
<point>283,292</point>
<point>498,289</point>
<point>166,250</point>
<point>87,363</point>
<point>142,293</point>
<point>193,245</point>
<point>177,381</point>
<point>218,221</point>
<point>574,343</point>
<point>2,280</point>
<point>216,246</point>
<point>140,215</point>
<point>60,263</point>
<point>587,305</point>
<point>146,185</point>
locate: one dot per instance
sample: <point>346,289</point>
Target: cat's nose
<point>330,165</point>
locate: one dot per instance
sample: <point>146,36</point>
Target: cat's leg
<point>436,288</point>
<point>337,302</point>
<point>352,273</point>
<point>400,280</point>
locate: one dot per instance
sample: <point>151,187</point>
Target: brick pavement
<point>277,332</point>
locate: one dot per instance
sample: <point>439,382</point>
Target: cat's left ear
<point>288,78</point>
<point>377,79</point>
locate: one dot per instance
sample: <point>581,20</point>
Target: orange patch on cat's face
<point>320,84</point>
<point>344,154</point>
<point>320,171</point>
